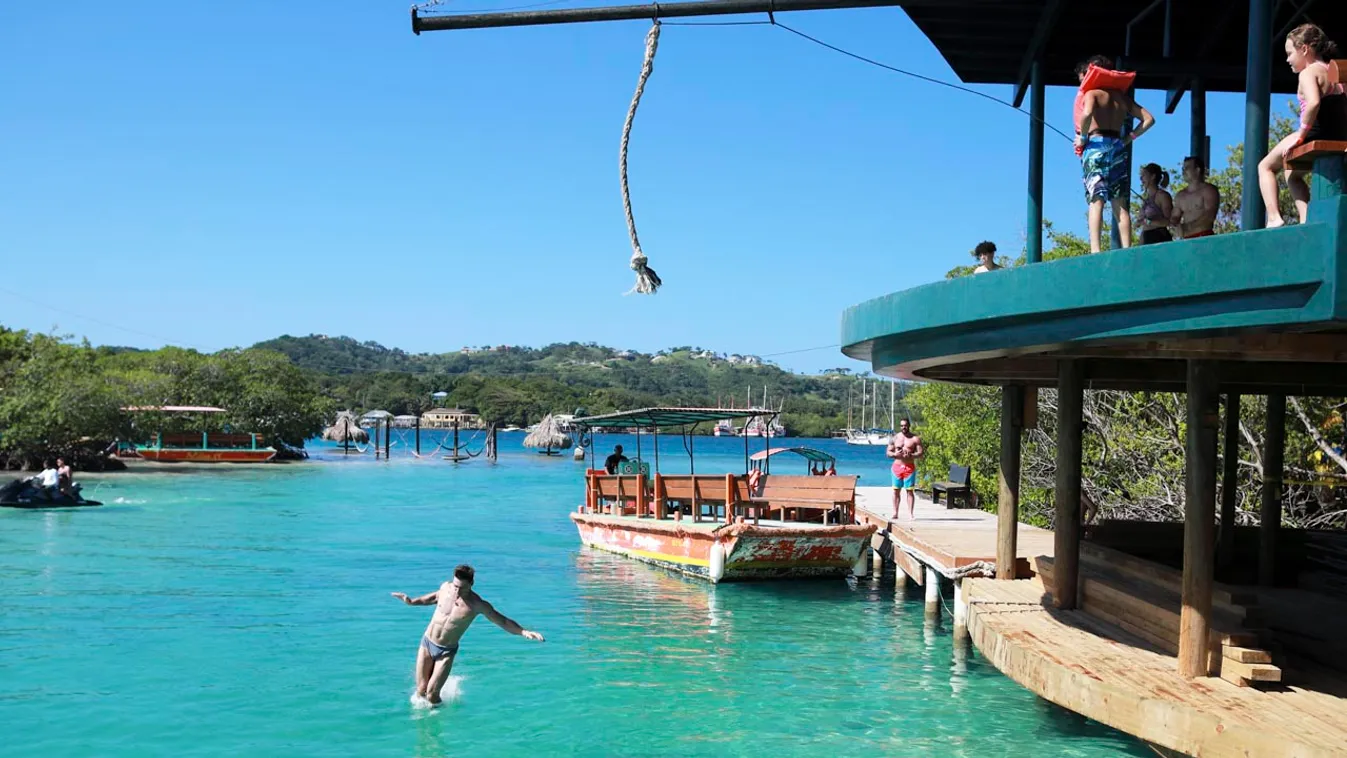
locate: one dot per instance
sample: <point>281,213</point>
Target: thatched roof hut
<point>547,436</point>
<point>346,430</point>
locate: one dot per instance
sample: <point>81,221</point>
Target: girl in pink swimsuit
<point>1323,116</point>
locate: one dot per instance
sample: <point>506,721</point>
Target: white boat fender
<point>717,567</point>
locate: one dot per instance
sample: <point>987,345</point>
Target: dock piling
<point>1066,530</point>
<point>1199,520</point>
<point>932,594</point>
<point>960,612</point>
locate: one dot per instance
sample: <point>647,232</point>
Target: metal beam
<point>1033,232</point>
<point>1047,21</point>
<point>636,12</point>
<point>1291,22</point>
<point>1257,95</point>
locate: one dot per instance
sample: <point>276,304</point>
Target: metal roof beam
<point>654,11</point>
<point>1047,21</point>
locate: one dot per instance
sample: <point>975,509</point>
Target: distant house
<point>444,418</point>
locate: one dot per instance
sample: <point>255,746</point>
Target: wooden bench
<point>812,493</point>
<point>958,485</point>
<point>615,493</point>
<point>690,494</point>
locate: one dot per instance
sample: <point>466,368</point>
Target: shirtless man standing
<point>1196,205</point>
<point>1103,152</point>
<point>905,448</point>
<point>456,606</point>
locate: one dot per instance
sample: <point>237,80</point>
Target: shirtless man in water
<point>905,448</point>
<point>1103,152</point>
<point>1195,207</point>
<point>456,606</point>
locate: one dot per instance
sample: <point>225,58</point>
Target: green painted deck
<point>1258,300</point>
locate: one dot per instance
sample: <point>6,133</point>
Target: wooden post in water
<point>1066,530</point>
<point>375,429</point>
<point>1199,521</point>
<point>1008,479</point>
<point>418,434</point>
<point>960,612</point>
<point>1225,552</point>
<point>455,440</point>
<point>932,594</point>
<point>1271,506</point>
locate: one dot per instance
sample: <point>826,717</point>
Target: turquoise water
<point>245,611</point>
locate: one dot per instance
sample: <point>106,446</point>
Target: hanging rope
<point>647,281</point>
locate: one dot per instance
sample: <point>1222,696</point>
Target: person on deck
<point>611,462</point>
<point>1103,152</point>
<point>1156,205</point>
<point>905,448</point>
<point>1196,206</point>
<point>985,252</point>
<point>1323,116</point>
<point>456,607</point>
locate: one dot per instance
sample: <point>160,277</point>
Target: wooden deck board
<point>951,538</point>
<point>1093,668</point>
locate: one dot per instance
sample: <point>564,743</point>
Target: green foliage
<point>57,396</point>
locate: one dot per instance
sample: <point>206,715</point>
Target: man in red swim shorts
<point>905,448</point>
<point>1196,206</point>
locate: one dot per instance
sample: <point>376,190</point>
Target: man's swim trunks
<point>904,475</point>
<point>1104,167</point>
<point>1195,235</point>
<point>438,652</point>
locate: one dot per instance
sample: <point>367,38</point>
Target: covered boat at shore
<point>195,447</point>
<point>722,526</point>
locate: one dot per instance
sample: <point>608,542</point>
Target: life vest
<point>1100,78</point>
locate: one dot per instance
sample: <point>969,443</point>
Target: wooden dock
<point>955,542</point>
<point>1094,668</point>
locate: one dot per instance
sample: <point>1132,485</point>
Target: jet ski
<point>23,493</point>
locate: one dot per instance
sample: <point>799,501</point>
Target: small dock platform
<point>942,544</point>
<point>955,542</point>
<point>1093,668</point>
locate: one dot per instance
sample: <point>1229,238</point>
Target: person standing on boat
<point>456,607</point>
<point>610,463</point>
<point>905,448</point>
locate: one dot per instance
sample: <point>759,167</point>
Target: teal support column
<point>1257,93</point>
<point>1197,103</point>
<point>1033,232</point>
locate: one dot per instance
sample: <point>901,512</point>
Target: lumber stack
<point>1144,599</point>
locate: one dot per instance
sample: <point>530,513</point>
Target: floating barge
<point>195,447</point>
<point>718,527</point>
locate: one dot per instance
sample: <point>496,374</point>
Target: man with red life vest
<point>1103,105</point>
<point>1196,205</point>
<point>905,448</point>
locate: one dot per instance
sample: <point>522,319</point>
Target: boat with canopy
<point>815,460</point>
<point>722,526</point>
<point>195,447</point>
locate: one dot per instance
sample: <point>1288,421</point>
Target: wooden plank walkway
<point>949,539</point>
<point>1099,671</point>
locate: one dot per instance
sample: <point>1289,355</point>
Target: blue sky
<point>215,174</point>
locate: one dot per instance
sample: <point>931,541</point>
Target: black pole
<point>635,12</point>
<point>638,444</point>
<point>455,440</point>
<point>376,440</point>
<point>692,458</point>
<point>388,435</point>
<point>418,434</point>
<point>656,433</point>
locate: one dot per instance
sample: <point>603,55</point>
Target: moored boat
<point>196,447</point>
<point>719,527</point>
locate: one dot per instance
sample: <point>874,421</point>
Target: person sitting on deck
<point>1156,205</point>
<point>985,252</point>
<point>1103,152</point>
<point>610,463</point>
<point>1323,116</point>
<point>1196,205</point>
<point>905,448</point>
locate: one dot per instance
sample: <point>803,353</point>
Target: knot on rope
<point>647,282</point>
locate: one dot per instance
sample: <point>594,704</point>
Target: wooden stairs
<point>1144,598</point>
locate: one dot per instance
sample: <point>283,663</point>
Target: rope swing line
<point>647,281</point>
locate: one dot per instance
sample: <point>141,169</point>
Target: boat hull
<point>750,553</point>
<point>174,455</point>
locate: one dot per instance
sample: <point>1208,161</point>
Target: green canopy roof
<point>661,417</point>
<point>814,456</point>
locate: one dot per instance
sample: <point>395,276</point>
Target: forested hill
<point>518,384</point>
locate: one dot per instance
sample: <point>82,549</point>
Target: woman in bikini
<point>1323,116</point>
<point>1156,205</point>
